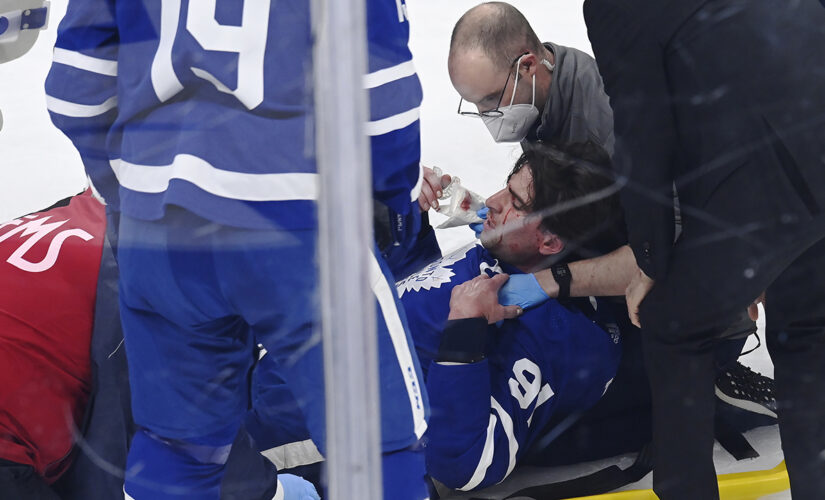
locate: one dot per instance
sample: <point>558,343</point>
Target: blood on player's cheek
<point>506,215</point>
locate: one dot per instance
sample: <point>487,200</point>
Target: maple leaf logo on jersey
<point>434,275</point>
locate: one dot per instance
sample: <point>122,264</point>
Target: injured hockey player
<point>495,388</point>
<point>504,392</point>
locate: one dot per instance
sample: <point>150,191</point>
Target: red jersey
<point>49,263</point>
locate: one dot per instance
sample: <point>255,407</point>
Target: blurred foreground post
<point>345,222</point>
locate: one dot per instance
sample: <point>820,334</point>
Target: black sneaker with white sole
<point>739,386</point>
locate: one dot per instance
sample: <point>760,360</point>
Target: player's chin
<point>490,238</point>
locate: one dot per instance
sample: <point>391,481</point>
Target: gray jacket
<point>577,109</point>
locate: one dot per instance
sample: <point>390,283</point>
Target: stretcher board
<point>735,486</point>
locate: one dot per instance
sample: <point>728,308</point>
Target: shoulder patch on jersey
<point>435,274</point>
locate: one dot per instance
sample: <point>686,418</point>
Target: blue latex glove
<point>522,290</point>
<point>297,488</point>
<point>478,227</point>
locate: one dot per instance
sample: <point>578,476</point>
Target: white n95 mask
<point>515,120</point>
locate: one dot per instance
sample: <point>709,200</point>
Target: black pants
<point>682,377</point>
<point>712,277</point>
<point>711,280</point>
<point>21,482</point>
<point>796,342</point>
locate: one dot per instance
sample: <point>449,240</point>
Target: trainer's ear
<point>550,243</point>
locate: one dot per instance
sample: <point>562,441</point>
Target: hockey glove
<point>522,290</point>
<point>297,488</point>
<point>395,233</point>
<point>478,227</point>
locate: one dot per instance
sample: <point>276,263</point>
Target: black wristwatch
<point>561,273</point>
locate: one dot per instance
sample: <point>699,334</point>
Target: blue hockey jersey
<point>551,362</point>
<point>209,106</point>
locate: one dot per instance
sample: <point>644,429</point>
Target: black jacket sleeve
<point>631,61</point>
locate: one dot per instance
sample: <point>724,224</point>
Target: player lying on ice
<point>495,385</point>
<point>498,388</point>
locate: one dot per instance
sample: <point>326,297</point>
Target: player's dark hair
<point>499,30</point>
<point>575,194</point>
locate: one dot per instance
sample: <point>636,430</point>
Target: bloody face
<point>511,232</point>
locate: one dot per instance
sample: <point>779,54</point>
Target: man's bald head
<point>497,30</point>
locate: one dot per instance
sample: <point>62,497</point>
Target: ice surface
<point>38,165</point>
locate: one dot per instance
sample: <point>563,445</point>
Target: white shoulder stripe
<point>235,185</point>
<point>87,63</point>
<point>486,457</point>
<point>394,122</point>
<point>387,75</point>
<point>74,110</point>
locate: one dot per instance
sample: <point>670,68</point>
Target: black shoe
<point>739,386</point>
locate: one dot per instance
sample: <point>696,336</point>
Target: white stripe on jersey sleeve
<point>486,457</point>
<point>387,75</point>
<point>87,63</point>
<point>386,301</point>
<point>394,122</point>
<point>236,185</point>
<point>507,425</point>
<point>74,110</point>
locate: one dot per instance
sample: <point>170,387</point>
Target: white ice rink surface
<point>38,165</point>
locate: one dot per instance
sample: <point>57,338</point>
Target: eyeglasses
<point>496,111</point>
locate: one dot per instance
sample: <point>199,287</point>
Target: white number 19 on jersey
<point>247,40</point>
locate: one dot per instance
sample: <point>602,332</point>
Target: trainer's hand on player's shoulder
<point>431,188</point>
<point>297,488</point>
<point>524,291</point>
<point>478,298</point>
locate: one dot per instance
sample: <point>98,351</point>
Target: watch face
<point>561,271</point>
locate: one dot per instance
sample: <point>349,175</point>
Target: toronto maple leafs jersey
<point>552,361</point>
<point>209,106</point>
